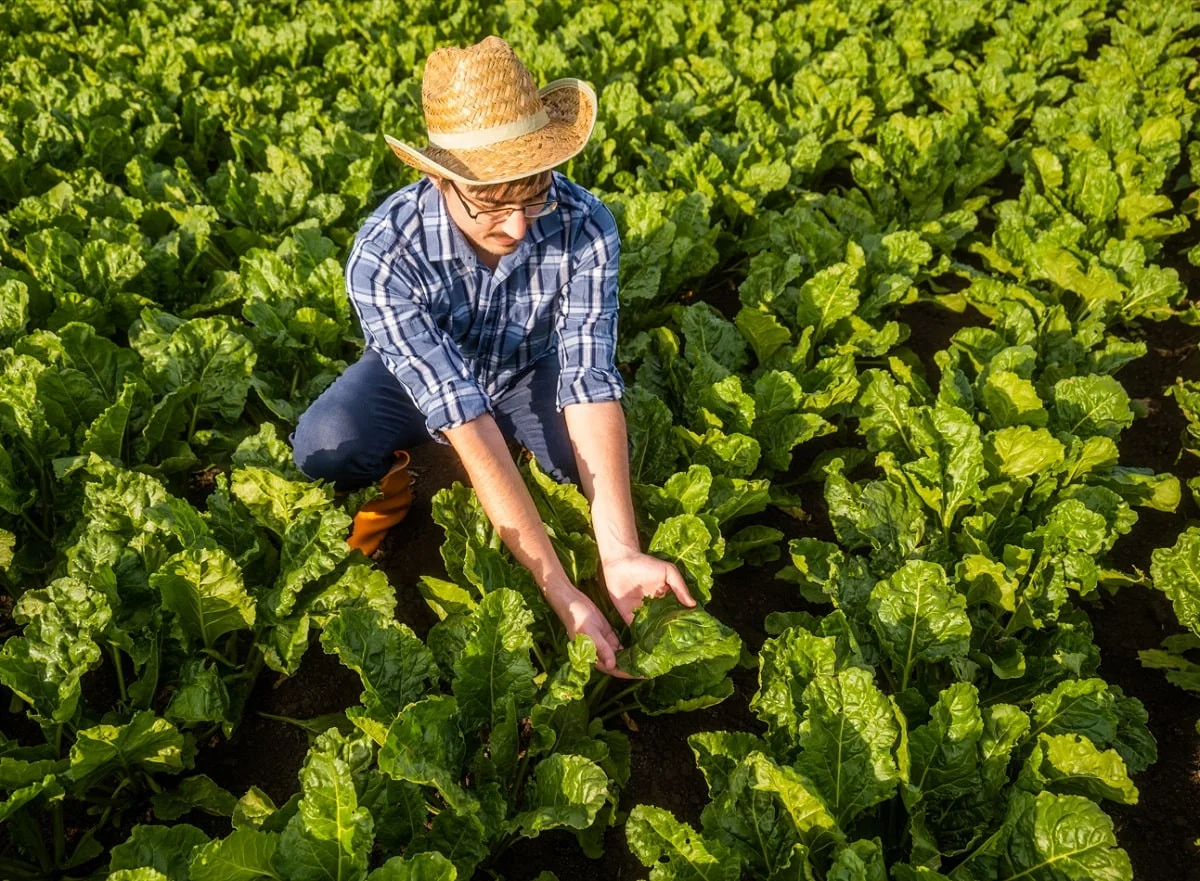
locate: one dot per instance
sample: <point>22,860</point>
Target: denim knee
<point>323,450</point>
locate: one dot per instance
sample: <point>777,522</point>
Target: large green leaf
<point>1072,765</point>
<point>425,745</point>
<point>244,855</point>
<point>330,837</point>
<point>395,667</point>
<point>665,635</point>
<point>420,867</point>
<point>675,851</point>
<point>495,661</point>
<point>146,743</point>
<point>918,616</point>
<point>45,664</point>
<point>1091,405</point>
<point>168,849</point>
<point>848,747</point>
<point>566,791</point>
<point>1176,572</point>
<point>204,589</point>
<point>786,665</point>
<point>1061,838</point>
<point>204,351</point>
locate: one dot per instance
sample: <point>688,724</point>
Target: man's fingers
<point>679,587</point>
<point>625,612</point>
<point>606,657</point>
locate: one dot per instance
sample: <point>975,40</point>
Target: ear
<point>439,182</point>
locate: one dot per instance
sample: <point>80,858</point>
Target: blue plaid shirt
<point>456,334</point>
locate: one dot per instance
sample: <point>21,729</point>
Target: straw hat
<point>488,122</point>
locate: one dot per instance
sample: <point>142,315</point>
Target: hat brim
<point>571,106</point>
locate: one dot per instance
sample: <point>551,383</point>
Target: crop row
<point>178,190</point>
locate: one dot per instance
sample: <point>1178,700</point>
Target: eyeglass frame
<point>545,208</point>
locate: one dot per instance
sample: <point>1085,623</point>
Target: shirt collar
<point>444,241</point>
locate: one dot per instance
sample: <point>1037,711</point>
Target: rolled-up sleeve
<point>587,317</point>
<point>418,353</point>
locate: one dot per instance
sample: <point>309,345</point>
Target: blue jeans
<point>349,433</point>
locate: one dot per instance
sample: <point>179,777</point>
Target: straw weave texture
<point>486,85</point>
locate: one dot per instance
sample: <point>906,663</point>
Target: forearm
<point>506,500</point>
<point>600,440</point>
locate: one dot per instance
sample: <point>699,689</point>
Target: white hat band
<point>487,136</point>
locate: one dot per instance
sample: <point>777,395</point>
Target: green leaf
<point>146,742</point>
<point>787,664</point>
<point>274,501</point>
<point>252,809</point>
<point>494,662</point>
<point>764,332</point>
<point>718,753</point>
<point>313,547</point>
<point>566,792</point>
<point>197,792</point>
<point>666,635</point>
<point>1012,400</point>
<point>7,542</point>
<point>852,732</point>
<point>830,294</point>
<point>675,851</point>
<point>330,837</point>
<point>204,589</point>
<point>1072,765</point>
<point>420,867</point>
<point>918,616</point>
<point>706,331</point>
<point>245,855</point>
<point>808,809</point>
<point>1176,572</point>
<point>1061,838</point>
<point>1021,451</point>
<point>1091,405</point>
<point>1003,727</point>
<point>167,849</point>
<point>106,436</point>
<point>653,450</point>
<point>425,745</point>
<point>395,667</point>
<point>45,664</point>
<point>204,351</point>
<point>943,751</point>
<point>685,541</point>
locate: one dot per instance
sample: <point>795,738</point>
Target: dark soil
<point>1159,832</point>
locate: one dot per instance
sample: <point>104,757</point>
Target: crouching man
<point>487,294</point>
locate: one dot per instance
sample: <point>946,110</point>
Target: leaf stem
<point>116,659</point>
<point>37,530</point>
<point>623,693</point>
<point>60,835</point>
<point>613,713</point>
<point>541,659</point>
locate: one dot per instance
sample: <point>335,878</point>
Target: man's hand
<point>580,615</point>
<point>632,578</point>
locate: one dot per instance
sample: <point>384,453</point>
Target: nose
<point>514,227</point>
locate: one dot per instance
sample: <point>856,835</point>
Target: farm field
<point>912,351</point>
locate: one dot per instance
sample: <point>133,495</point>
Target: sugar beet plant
<point>178,188</point>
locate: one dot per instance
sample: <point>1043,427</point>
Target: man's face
<point>496,233</point>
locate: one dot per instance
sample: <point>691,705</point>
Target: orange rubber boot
<point>374,519</point>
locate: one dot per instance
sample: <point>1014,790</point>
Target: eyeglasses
<point>499,215</point>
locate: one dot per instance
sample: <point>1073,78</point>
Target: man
<point>487,293</point>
